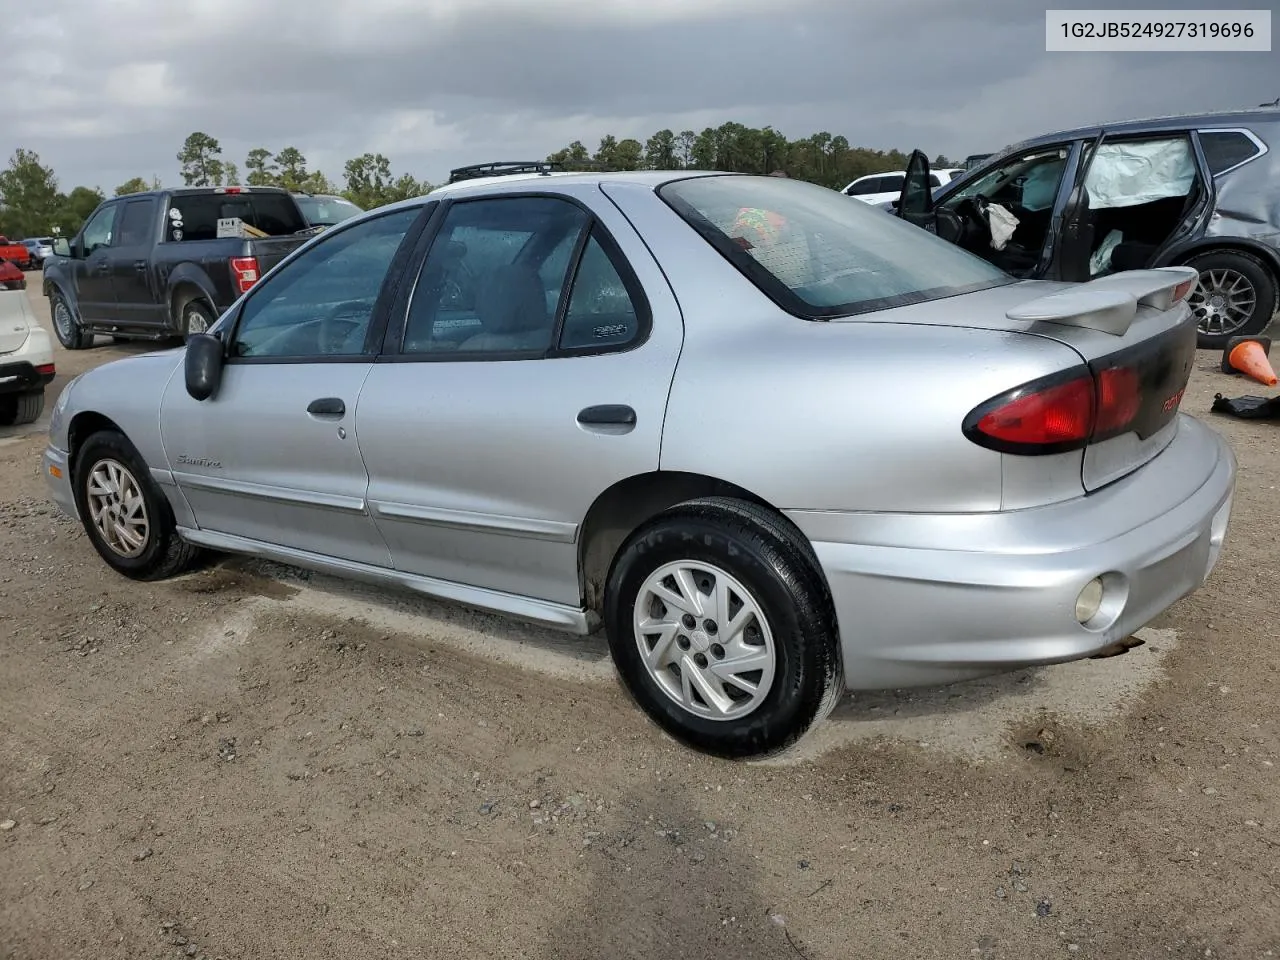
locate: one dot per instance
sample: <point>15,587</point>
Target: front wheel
<point>722,628</point>
<point>1235,297</point>
<point>126,516</point>
<point>65,325</point>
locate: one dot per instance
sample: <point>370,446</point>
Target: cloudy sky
<point>110,88</point>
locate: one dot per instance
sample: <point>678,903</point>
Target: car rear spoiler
<point>1110,303</point>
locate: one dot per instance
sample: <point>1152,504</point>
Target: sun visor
<point>1127,174</point>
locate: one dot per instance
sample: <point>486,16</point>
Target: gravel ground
<point>251,761</point>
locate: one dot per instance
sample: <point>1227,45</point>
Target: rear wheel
<point>194,316</point>
<point>722,628</point>
<point>65,325</point>
<point>21,408</point>
<point>1235,296</point>
<point>125,514</point>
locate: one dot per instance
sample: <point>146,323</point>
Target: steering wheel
<point>975,229</point>
<point>335,329</point>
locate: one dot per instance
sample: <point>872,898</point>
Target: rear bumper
<point>925,600</point>
<point>22,377</point>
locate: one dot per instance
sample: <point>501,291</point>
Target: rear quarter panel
<point>838,416</point>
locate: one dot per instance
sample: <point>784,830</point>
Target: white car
<point>26,360</point>
<point>883,187</point>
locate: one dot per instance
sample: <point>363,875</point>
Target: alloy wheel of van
<point>1235,296</point>
<point>722,628</point>
<point>1223,302</point>
<point>704,639</point>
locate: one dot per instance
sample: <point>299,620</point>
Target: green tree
<point>573,157</point>
<point>368,179</point>
<point>261,167</point>
<point>201,161</point>
<point>136,185</point>
<point>660,151</point>
<point>293,168</point>
<point>317,182</point>
<point>29,196</point>
<point>628,155</point>
<point>230,174</point>
<point>684,147</point>
<point>74,209</point>
<point>606,154</point>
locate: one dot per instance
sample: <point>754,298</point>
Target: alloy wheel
<point>1223,301</point>
<point>118,508</point>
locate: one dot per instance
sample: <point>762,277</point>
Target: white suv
<point>881,187</point>
<point>26,360</point>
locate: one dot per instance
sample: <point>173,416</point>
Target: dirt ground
<point>253,762</point>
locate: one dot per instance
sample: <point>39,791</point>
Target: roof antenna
<point>1273,103</point>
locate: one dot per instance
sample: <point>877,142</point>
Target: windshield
<point>819,256</point>
<point>326,211</point>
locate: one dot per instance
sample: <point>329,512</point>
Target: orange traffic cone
<point>1248,355</point>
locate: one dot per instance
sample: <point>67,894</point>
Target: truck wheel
<point>22,408</point>
<point>722,628</point>
<point>65,325</point>
<point>194,316</point>
<point>1235,297</point>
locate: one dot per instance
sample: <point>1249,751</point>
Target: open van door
<point>915,203</point>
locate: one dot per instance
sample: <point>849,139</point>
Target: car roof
<point>521,182</point>
<point>1228,118</point>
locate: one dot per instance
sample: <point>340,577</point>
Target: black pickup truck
<point>167,263</point>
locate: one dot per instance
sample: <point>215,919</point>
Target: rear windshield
<point>195,216</point>
<point>817,253</point>
<point>326,211</point>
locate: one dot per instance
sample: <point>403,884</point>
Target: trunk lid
<point>1132,329</point>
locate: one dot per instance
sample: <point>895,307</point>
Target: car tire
<point>194,316</point>
<point>1227,275</point>
<point>154,551</point>
<point>66,326</point>
<point>19,409</point>
<point>785,625</point>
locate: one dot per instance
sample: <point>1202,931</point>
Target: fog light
<point>1090,601</point>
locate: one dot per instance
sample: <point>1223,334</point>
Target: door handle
<point>140,265</point>
<point>327,407</point>
<point>608,414</point>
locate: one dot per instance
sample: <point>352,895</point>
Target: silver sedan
<point>778,445</point>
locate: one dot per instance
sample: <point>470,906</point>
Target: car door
<point>273,457</point>
<point>915,202</point>
<point>95,300</point>
<point>1151,194</point>
<point>137,303</point>
<point>529,376</point>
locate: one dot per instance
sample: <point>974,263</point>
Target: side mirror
<point>203,365</point>
<point>62,247</point>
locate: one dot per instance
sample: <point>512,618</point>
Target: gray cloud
<point>435,84</point>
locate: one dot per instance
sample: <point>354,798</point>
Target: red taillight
<point>1119,399</point>
<point>1182,290</point>
<point>1039,419</point>
<point>1055,415</point>
<point>245,271</point>
<point>45,369</point>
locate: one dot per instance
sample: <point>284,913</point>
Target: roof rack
<point>477,170</point>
